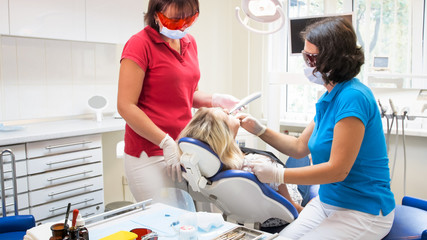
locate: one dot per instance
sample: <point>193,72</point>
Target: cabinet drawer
<point>85,212</point>
<point>62,176</point>
<point>65,191</point>
<point>18,150</point>
<point>10,205</point>
<point>63,145</point>
<point>59,207</point>
<point>21,169</point>
<point>22,185</point>
<point>66,160</point>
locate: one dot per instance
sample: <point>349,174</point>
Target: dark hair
<point>186,7</point>
<point>339,58</point>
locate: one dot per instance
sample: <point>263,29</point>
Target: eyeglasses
<point>309,58</point>
<point>177,23</point>
<point>144,234</point>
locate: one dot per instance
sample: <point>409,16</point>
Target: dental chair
<point>237,193</point>
<point>410,220</point>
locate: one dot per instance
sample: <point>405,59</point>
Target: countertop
<point>59,129</point>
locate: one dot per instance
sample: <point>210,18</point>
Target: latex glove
<point>251,124</point>
<point>224,101</point>
<point>267,172</point>
<point>171,155</point>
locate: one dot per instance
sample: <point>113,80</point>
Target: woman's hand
<point>267,172</point>
<point>251,124</point>
<point>224,101</point>
<point>170,153</point>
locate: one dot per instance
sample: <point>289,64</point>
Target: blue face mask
<point>173,34</point>
<point>315,77</point>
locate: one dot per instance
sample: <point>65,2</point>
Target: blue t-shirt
<point>367,186</point>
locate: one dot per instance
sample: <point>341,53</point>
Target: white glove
<point>224,101</point>
<point>170,153</point>
<point>251,124</point>
<point>267,172</point>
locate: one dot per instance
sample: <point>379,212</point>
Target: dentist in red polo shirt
<point>158,86</point>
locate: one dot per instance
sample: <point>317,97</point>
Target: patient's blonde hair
<point>206,126</point>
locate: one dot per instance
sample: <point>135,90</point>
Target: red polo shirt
<point>169,84</point>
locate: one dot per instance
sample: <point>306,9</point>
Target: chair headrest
<point>209,162</point>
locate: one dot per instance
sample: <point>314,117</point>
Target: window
<point>390,30</point>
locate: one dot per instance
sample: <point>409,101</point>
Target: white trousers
<point>147,175</point>
<point>322,221</point>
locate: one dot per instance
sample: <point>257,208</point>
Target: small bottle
<point>74,234</point>
<point>80,225</point>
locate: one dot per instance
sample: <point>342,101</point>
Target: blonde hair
<point>213,130</point>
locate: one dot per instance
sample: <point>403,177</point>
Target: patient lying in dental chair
<point>218,129</point>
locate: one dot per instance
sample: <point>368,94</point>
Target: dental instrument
<point>66,219</point>
<point>394,115</point>
<point>387,116</point>
<point>405,113</point>
<point>402,116</point>
<point>245,101</point>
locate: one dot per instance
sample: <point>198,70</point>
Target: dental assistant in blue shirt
<point>346,142</point>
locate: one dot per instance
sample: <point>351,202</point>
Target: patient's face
<point>232,122</point>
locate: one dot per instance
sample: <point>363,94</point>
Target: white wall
<point>231,57</point>
<point>44,78</point>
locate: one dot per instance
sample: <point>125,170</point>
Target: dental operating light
<point>264,11</point>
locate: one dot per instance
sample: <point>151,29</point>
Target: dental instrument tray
<point>240,233</point>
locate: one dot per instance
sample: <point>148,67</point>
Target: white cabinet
<point>63,145</point>
<point>58,19</point>
<point>83,20</point>
<point>53,173</point>
<point>113,21</point>
<point>78,202</point>
<point>62,171</point>
<point>4,16</point>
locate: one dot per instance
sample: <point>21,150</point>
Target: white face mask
<point>316,78</point>
<point>173,34</point>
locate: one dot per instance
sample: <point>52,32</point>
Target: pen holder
<point>59,232</point>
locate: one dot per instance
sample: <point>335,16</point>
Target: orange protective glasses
<point>177,23</point>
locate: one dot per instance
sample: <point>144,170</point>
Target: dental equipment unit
<point>395,116</point>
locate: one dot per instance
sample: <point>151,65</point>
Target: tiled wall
<point>45,78</point>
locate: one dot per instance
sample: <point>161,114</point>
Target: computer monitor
<point>380,63</point>
<point>297,25</point>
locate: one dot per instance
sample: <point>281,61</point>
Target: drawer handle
<point>69,160</point>
<point>88,214</point>
<point>71,175</point>
<point>67,145</point>
<point>73,204</point>
<point>69,190</point>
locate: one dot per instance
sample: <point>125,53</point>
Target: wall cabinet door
<point>57,19</point>
<point>114,21</point>
<point>4,17</point>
